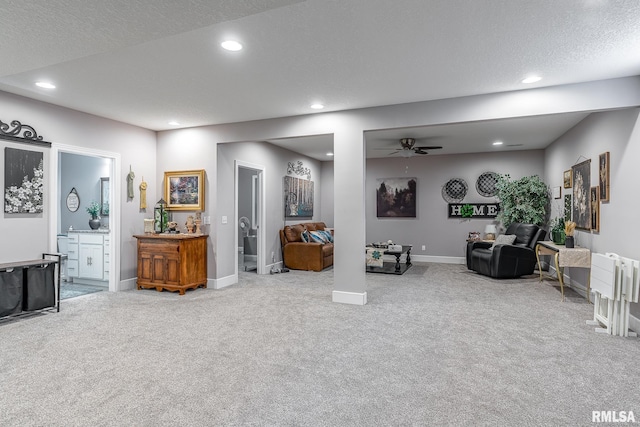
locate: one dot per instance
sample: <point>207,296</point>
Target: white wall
<point>192,146</point>
<point>30,236</point>
<point>274,160</point>
<point>619,133</point>
<point>442,236</point>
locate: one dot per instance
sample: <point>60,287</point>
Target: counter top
<point>101,231</point>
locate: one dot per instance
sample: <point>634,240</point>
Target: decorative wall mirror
<point>104,196</point>
<point>73,201</point>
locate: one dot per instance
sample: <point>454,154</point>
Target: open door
<point>250,217</point>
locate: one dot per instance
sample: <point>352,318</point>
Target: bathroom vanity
<point>88,256</point>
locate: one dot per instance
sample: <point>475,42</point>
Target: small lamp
<point>160,216</point>
<point>490,232</point>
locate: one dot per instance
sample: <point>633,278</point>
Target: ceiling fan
<point>408,148</point>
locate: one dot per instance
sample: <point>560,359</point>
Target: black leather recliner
<point>507,261</point>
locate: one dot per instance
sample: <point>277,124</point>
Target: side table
<point>565,257</point>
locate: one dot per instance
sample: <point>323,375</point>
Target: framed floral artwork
<point>581,212</point>
<point>184,190</point>
<point>603,176</point>
<point>23,181</point>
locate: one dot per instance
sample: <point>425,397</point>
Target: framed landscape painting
<point>298,197</point>
<point>581,212</point>
<point>184,190</point>
<point>396,197</point>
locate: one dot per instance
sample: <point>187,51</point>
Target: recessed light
<point>317,106</point>
<point>498,143</point>
<point>329,154</point>
<point>231,45</point>
<point>532,79</point>
<point>46,85</point>
<point>174,123</point>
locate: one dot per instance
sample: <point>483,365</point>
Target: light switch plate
<point>224,219</point>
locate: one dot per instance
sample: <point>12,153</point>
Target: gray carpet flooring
<point>437,346</point>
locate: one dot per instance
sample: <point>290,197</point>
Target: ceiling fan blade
<point>430,147</point>
<point>419,151</point>
<point>395,152</point>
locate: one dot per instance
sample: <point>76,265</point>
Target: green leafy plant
<point>93,209</point>
<point>524,200</point>
<point>466,211</point>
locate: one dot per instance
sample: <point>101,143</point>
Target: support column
<point>349,217</point>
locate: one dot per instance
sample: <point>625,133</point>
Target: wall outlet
<point>224,219</point>
<point>206,220</point>
<point>424,247</point>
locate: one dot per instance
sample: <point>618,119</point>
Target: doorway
<point>249,209</point>
<point>107,196</point>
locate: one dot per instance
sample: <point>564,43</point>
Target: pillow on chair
<point>504,239</point>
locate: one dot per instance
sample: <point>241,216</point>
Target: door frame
<point>114,203</point>
<point>261,214</point>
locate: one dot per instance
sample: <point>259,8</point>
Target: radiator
<point>615,281</point>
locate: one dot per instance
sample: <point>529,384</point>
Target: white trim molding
<point>222,282</point>
<point>355,298</point>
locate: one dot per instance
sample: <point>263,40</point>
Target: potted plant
<point>524,200</point>
<point>93,210</point>
<point>557,231</point>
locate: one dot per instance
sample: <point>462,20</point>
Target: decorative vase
<point>558,237</point>
<point>568,242</point>
<point>94,223</point>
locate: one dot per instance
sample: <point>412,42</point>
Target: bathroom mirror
<point>104,196</point>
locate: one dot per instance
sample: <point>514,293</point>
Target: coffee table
<point>393,267</point>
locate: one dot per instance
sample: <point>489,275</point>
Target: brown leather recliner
<point>300,255</point>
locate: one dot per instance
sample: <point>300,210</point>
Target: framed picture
<point>104,196</point>
<point>567,207</point>
<point>184,190</point>
<point>567,179</point>
<point>581,212</point>
<point>557,192</point>
<point>603,175</point>
<point>595,209</point>
<point>298,197</point>
<point>396,197</point>
<point>23,181</point>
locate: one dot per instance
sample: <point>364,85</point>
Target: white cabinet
<point>88,257</point>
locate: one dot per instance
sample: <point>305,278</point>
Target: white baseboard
<point>222,282</point>
<point>355,298</point>
<point>128,284</point>
<point>438,259</point>
<point>634,324</point>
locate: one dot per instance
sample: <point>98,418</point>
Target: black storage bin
<point>11,291</point>
<point>40,287</point>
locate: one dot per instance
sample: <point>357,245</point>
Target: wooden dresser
<point>172,262</point>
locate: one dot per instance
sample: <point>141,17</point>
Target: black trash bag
<point>40,288</point>
<point>11,291</point>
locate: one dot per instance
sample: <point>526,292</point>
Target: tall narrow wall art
<point>581,212</point>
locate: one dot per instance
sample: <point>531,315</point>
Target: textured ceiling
<point>146,62</point>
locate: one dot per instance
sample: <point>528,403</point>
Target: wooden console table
<point>172,262</point>
<point>565,257</point>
